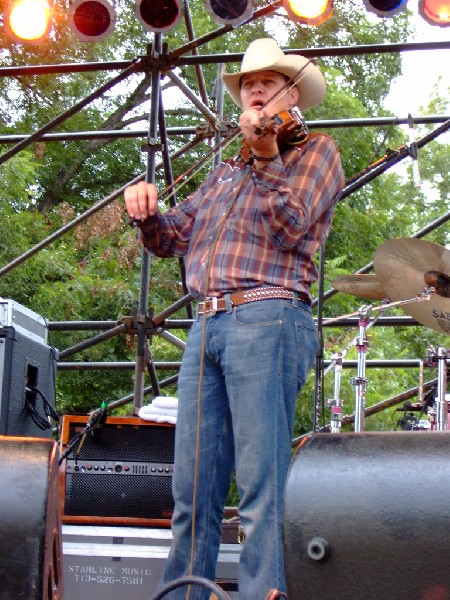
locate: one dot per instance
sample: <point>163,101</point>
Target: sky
<point>421,70</point>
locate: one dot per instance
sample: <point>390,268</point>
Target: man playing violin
<point>249,234</point>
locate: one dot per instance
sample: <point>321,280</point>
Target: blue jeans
<point>257,357</point>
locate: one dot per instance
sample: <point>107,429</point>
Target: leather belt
<point>218,304</point>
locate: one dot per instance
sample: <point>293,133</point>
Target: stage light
<point>91,20</point>
<point>309,12</point>
<point>385,8</point>
<point>229,12</point>
<point>435,12</point>
<point>159,15</point>
<point>28,20</point>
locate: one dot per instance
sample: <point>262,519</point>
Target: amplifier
<point>120,475</point>
<point>27,381</point>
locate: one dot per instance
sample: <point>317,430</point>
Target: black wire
<point>50,413</point>
<point>190,580</point>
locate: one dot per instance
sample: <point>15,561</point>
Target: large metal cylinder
<point>367,516</point>
<point>30,524</point>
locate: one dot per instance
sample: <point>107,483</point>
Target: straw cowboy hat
<point>264,54</point>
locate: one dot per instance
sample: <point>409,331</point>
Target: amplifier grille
<point>124,471</point>
<point>118,496</point>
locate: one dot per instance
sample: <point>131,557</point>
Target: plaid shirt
<point>246,227</point>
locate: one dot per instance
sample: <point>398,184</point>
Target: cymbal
<point>361,285</point>
<point>405,266</point>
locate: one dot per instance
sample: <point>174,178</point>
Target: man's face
<point>257,89</point>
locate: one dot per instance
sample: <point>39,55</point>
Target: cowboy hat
<point>264,54</point>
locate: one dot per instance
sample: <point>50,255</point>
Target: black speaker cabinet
<point>30,530</point>
<point>27,367</point>
<point>120,475</point>
<point>367,517</point>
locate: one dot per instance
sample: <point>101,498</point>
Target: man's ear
<point>294,95</point>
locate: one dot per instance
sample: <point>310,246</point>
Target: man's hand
<point>264,144</point>
<point>141,200</point>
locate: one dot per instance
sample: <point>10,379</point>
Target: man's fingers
<point>141,200</point>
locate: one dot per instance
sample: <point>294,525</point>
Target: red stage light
<point>229,12</point>
<point>159,15</point>
<point>91,20</point>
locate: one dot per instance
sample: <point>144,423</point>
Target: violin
<point>289,127</point>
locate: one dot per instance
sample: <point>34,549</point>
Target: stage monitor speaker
<point>367,516</point>
<point>120,475</point>
<point>27,381</point>
<point>30,530</point>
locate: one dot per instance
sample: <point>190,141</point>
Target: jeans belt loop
<point>228,303</point>
<point>294,298</point>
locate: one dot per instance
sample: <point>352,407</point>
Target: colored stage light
<point>309,12</point>
<point>229,12</point>
<point>28,20</point>
<point>91,20</point>
<point>435,12</point>
<point>159,15</point>
<point>385,8</point>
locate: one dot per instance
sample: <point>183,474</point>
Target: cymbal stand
<point>360,381</point>
<point>361,343</point>
<point>440,412</point>
<point>336,402</point>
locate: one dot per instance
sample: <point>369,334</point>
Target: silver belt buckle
<point>213,310</point>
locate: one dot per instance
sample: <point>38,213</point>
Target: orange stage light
<point>28,20</point>
<point>435,12</point>
<point>309,12</point>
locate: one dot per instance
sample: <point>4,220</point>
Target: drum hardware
<point>404,265</point>
<point>373,409</point>
<point>361,342</point>
<point>360,382</point>
<point>439,415</point>
<point>409,421</point>
<point>336,404</point>
<point>421,380</point>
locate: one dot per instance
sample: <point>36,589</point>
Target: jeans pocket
<point>261,313</point>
